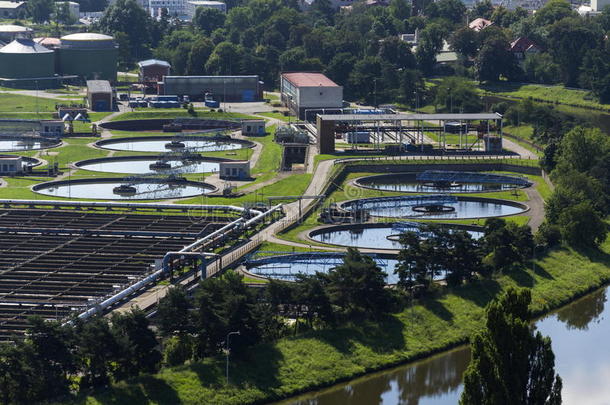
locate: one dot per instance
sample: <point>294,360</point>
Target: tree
<point>128,17</point>
<point>495,60</point>
<point>414,266</point>
<point>482,9</point>
<point>506,245</point>
<point>97,349</point>
<point>173,312</point>
<point>62,13</point>
<point>400,9</point>
<point>357,286</point>
<point>225,59</point>
<point>178,350</point>
<point>450,10</point>
<point>580,225</point>
<point>553,11</point>
<point>208,19</point>
<point>510,364</point>
<point>456,94</point>
<point>137,344</point>
<point>570,40</point>
<point>465,41</point>
<point>40,10</point>
<point>540,68</point>
<point>198,56</point>
<point>397,53</point>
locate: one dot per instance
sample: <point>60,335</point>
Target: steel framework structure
<point>470,177</point>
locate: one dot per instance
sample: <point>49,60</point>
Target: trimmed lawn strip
<point>321,358</point>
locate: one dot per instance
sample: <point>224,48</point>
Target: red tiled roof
<point>479,23</point>
<point>309,80</point>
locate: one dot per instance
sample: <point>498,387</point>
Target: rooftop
<point>24,46</point>
<point>410,117</point>
<point>87,36</point>
<point>309,79</point>
<point>153,62</point>
<point>11,4</point>
<point>479,23</point>
<point>13,28</point>
<point>98,86</point>
<point>206,2</point>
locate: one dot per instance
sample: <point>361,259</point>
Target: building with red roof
<point>309,91</point>
<point>523,46</point>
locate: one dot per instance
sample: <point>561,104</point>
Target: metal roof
<point>410,117</point>
<point>11,4</point>
<point>153,62</point>
<point>87,36</point>
<point>304,79</point>
<point>4,28</point>
<point>24,46</point>
<point>98,86</point>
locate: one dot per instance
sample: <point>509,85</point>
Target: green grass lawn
<point>18,103</point>
<point>556,94</point>
<point>277,116</point>
<point>298,363</point>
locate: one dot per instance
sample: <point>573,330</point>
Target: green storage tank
<point>24,58</point>
<point>88,55</point>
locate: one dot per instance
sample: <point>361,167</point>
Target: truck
<point>210,102</point>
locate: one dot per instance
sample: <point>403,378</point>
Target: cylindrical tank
<point>10,32</point>
<point>88,55</point>
<point>23,58</point>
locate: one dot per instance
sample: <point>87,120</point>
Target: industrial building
<point>99,95</point>
<point>11,9</point>
<point>17,127</point>
<point>10,32</point>
<point>151,72</point>
<point>10,165</point>
<point>43,63</point>
<point>234,170</point>
<point>302,91</point>
<point>221,88</point>
<point>253,127</point>
<point>89,56</point>
<point>192,6</point>
<point>73,7</point>
<point>24,58</point>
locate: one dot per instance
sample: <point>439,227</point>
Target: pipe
<point>226,208</point>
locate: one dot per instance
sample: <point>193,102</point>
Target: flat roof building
<point>99,95</point>
<point>11,9</point>
<point>302,91</point>
<point>192,6</point>
<point>221,88</point>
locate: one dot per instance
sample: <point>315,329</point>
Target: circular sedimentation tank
<point>152,164</point>
<point>164,144</point>
<point>408,183</point>
<point>288,267</point>
<point>22,143</point>
<point>124,189</point>
<point>88,55</point>
<point>24,58</point>
<point>382,236</point>
<point>428,208</point>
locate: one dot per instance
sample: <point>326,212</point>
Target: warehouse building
<point>99,95</point>
<point>303,91</point>
<point>151,72</point>
<point>222,88</point>
<point>192,6</point>
<point>11,9</point>
<point>10,32</point>
<point>89,56</point>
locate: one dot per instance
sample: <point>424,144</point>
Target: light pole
<point>227,351</point>
<point>375,93</point>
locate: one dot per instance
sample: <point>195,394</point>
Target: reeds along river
<point>580,333</point>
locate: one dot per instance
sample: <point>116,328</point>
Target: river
<point>580,332</point>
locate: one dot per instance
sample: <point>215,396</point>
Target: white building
<point>303,91</point>
<point>175,8</point>
<point>598,5</point>
<point>10,165</point>
<point>191,7</point>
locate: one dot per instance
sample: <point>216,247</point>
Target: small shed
<point>153,70</point>
<point>53,128</point>
<point>10,165</point>
<point>253,127</point>
<point>99,94</point>
<point>235,170</point>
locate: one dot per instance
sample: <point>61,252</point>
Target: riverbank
<point>322,358</point>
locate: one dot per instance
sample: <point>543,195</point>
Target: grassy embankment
<point>556,94</point>
<point>314,359</point>
<point>14,103</point>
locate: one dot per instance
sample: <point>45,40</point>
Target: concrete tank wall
<point>26,65</point>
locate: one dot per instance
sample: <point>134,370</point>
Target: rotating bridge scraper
<point>434,176</point>
<point>402,201</point>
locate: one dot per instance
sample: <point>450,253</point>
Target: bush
<point>178,350</point>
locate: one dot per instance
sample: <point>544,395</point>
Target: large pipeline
<point>186,251</point>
